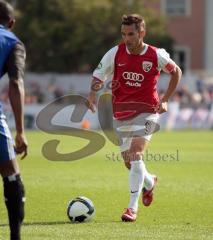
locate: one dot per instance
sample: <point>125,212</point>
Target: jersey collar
<point>142,53</point>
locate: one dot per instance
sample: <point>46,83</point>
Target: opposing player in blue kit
<point>12,62</point>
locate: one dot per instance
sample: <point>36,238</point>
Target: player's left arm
<point>170,67</point>
<point>15,68</point>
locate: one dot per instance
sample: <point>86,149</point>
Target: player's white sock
<point>136,179</point>
<point>148,179</point>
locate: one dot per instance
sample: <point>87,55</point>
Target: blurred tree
<point>72,35</point>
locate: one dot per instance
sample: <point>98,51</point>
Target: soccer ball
<point>80,209</point>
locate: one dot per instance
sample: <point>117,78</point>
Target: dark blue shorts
<point>7,151</point>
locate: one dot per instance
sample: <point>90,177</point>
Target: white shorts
<point>142,125</point>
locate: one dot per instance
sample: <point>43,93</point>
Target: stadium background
<point>65,40</point>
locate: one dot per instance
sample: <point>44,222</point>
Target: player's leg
<point>149,179</point>
<point>133,161</point>
<point>13,187</point>
<point>132,149</point>
<point>14,196</point>
<point>137,176</point>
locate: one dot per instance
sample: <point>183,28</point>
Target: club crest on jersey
<point>147,66</point>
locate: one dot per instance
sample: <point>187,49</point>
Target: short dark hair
<point>6,12</point>
<point>134,19</point>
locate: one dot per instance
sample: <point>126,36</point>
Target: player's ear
<point>11,23</point>
<point>143,33</point>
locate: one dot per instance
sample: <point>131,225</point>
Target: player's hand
<point>91,101</point>
<point>163,107</point>
<point>21,144</point>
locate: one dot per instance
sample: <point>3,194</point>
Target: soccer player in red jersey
<point>135,67</point>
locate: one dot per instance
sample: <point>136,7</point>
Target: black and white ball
<point>80,209</point>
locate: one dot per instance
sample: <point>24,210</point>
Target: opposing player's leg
<point>14,193</point>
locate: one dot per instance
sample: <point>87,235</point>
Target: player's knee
<point>14,194</point>
<point>136,148</point>
<point>9,168</point>
<point>126,159</point>
<point>136,152</point>
<point>131,155</point>
<point>127,164</point>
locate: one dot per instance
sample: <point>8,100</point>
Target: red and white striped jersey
<point>134,82</point>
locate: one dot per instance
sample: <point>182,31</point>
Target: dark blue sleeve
<point>15,64</point>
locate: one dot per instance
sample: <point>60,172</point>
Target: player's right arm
<point>15,67</point>
<point>101,73</point>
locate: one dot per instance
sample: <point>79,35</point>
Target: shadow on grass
<point>40,223</point>
<point>57,223</point>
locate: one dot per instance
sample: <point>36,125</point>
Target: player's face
<point>131,36</point>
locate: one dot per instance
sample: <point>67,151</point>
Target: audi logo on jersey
<point>133,79</point>
<point>138,77</point>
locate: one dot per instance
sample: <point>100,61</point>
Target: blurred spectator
<point>190,107</point>
<point>200,83</point>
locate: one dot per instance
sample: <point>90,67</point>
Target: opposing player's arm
<point>169,66</point>
<point>100,74</point>
<point>15,68</point>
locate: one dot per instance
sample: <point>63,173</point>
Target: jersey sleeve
<point>15,64</point>
<point>165,63</point>
<point>106,66</point>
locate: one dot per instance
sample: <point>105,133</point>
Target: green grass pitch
<point>182,208</point>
